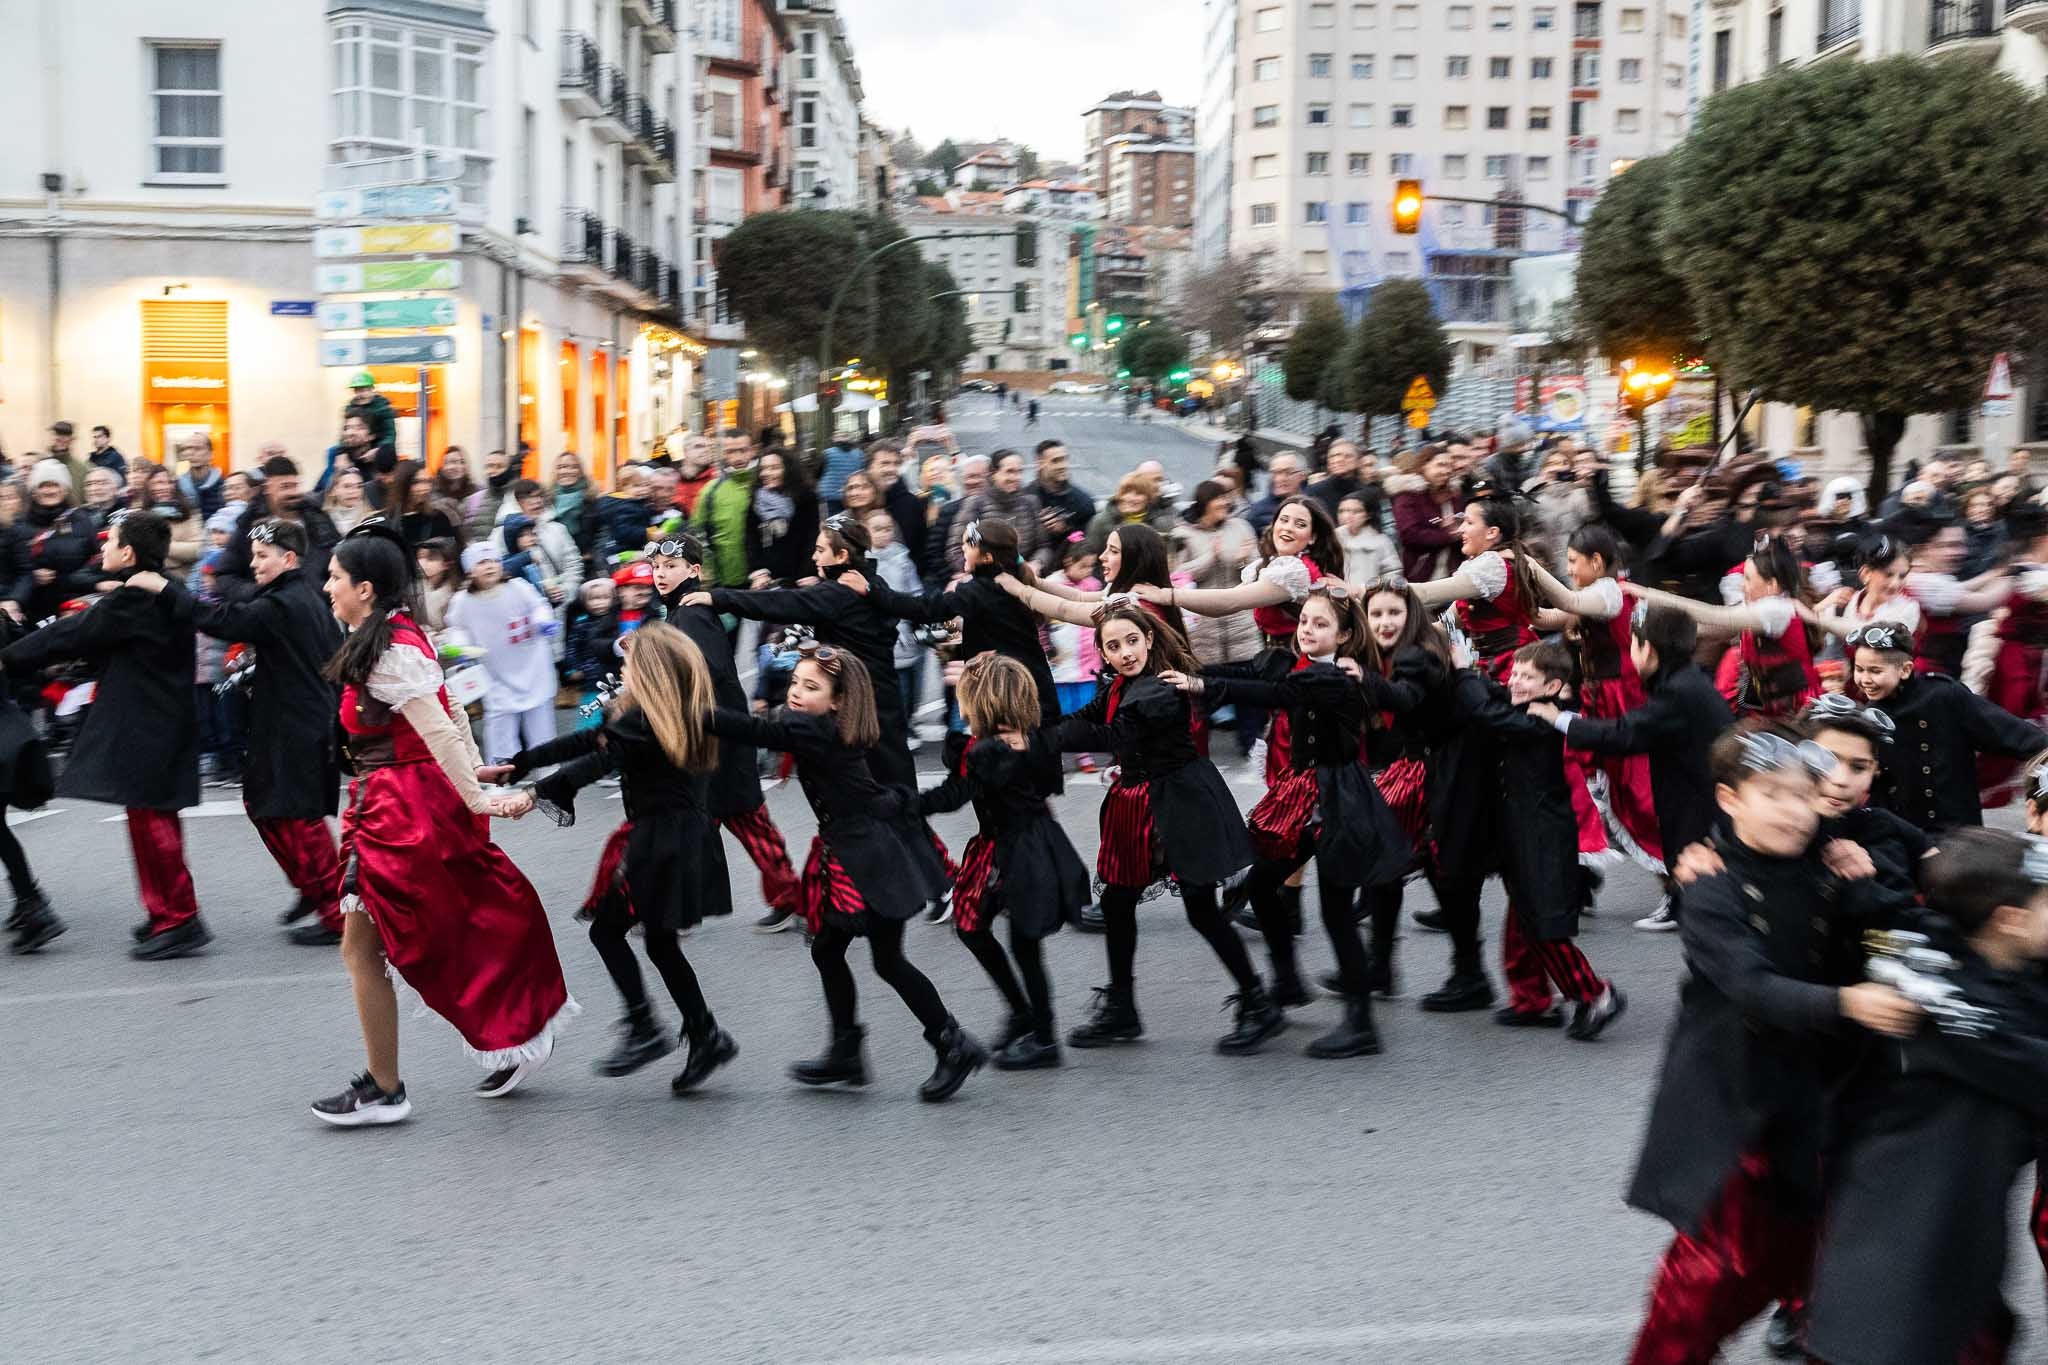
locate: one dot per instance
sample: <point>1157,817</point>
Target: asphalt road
<point>168,1198</point>
<point>1101,445</point>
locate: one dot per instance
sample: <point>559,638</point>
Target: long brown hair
<point>668,682</point>
<point>1504,517</point>
<point>1168,648</point>
<point>1347,604</point>
<point>997,693</point>
<point>852,690</point>
<point>1324,550</point>
<point>1001,548</point>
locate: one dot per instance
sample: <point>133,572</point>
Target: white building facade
<point>1744,40</point>
<point>157,254</point>
<point>1216,123</point>
<point>1333,101</point>
<point>827,135</point>
<point>1016,298</point>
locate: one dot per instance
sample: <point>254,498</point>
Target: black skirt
<point>1200,829</point>
<point>1030,873</point>
<point>651,872</point>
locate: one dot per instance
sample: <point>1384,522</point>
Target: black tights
<point>885,949</point>
<point>665,951</point>
<point>1459,902</point>
<point>1120,934</point>
<point>1034,996</point>
<point>1270,896</point>
<point>18,876</point>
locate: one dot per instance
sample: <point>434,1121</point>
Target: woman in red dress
<point>1496,603</point>
<point>428,898</point>
<point>1778,626</point>
<point>2019,671</point>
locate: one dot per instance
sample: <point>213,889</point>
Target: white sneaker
<point>507,1079</point>
<point>1660,920</point>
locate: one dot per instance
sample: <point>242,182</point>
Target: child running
<point>510,620</point>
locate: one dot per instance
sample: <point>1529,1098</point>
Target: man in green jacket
<point>721,515</point>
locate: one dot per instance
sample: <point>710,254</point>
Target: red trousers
<point>763,842</point>
<point>157,840</point>
<point>304,850</point>
<point>1746,1256</point>
<point>1532,967</point>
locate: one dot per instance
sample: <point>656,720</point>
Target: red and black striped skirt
<point>828,893</point>
<point>1404,787</point>
<point>1283,813</point>
<point>975,883</point>
<point>1130,854</point>
<point>610,879</point>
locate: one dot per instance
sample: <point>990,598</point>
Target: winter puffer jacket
<point>1216,559</point>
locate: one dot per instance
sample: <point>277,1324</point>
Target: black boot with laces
<point>843,1061</point>
<point>642,1040</point>
<point>1259,1017</point>
<point>1112,1019</point>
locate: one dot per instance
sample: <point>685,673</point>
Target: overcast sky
<point>1021,69</point>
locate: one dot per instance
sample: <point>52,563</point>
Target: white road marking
<point>208,810</point>
<point>194,986</point>
<point>23,817</point>
<point>1346,1340</point>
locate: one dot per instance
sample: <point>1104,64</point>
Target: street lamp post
<point>825,399</point>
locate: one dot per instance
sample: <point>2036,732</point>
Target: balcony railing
<point>612,82</point>
<point>583,238</point>
<point>1954,20</point>
<point>660,33</point>
<point>653,139</point>
<point>745,144</point>
<point>1841,21</point>
<point>581,74</point>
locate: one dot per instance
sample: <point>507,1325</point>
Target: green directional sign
<point>378,314</point>
<point>387,277</point>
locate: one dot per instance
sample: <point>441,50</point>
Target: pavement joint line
<point>1246,1343</point>
<point>195,985</point>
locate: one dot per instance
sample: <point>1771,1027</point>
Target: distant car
<point>1093,388</point>
<point>977,386</point>
<point>1067,386</point>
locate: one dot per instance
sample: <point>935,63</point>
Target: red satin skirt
<point>2017,684</point>
<point>1615,810</point>
<point>974,885</point>
<point>1277,821</point>
<point>460,924</point>
<point>1130,854</point>
<point>610,877</point>
<point>827,892</point>
<point>1404,786</point>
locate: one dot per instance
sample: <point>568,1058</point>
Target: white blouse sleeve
<point>1937,592</point>
<point>1285,571</point>
<point>402,675</point>
<point>1773,615</point>
<point>1608,591</point>
<point>1488,572</point>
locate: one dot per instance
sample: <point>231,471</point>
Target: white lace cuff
<point>1608,591</point>
<point>1287,571</point>
<point>402,675</point>
<point>1773,614</point>
<point>1488,572</point>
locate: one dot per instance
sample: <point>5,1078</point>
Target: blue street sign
<point>291,308</point>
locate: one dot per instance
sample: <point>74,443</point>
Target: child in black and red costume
<point>1323,804</point>
<point>1167,816</point>
<point>1019,861</point>
<point>1732,1158</point>
<point>664,867</point>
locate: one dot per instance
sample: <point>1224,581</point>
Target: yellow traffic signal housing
<point>1407,206</point>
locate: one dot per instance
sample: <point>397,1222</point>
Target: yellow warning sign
<point>1418,418</point>
<point>1420,396</point>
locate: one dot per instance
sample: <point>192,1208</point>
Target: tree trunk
<point>1882,432</point>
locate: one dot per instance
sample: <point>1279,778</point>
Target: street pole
<point>825,403</point>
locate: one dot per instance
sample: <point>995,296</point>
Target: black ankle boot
<point>1354,1037</point>
<point>960,1056</point>
<point>1463,991</point>
<point>711,1047</point>
<point>1031,1051</point>
<point>1113,1019</point>
<point>1018,1025</point>
<point>1259,1017</point>
<point>33,923</point>
<point>843,1060</point>
<point>641,1041</point>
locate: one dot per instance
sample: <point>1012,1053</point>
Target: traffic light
<point>1180,376</point>
<point>1079,341</point>
<point>1113,324</point>
<point>1407,206</point>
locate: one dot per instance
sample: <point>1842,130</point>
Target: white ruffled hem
<point>1621,845</point>
<point>534,1049</point>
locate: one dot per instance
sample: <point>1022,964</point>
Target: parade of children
<point>1814,777</point>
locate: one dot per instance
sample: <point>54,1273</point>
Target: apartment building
<point>1136,114</point>
<point>1216,121</point>
<point>1745,40</point>
<point>159,270</point>
<point>1532,101</point>
<point>1017,296</point>
<point>1151,180</point>
<point>826,131</point>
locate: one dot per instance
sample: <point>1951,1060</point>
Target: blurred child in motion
<point>511,621</point>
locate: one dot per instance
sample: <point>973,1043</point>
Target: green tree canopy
<point>1028,167</point>
<point>1398,338</point>
<point>1865,236</point>
<point>947,339</point>
<point>944,158</point>
<point>779,272</point>
<point>1629,299</point>
<point>1317,340</point>
<point>1152,352</point>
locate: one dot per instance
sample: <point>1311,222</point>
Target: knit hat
<point>49,471</point>
<point>476,553</point>
<point>639,573</point>
<point>226,519</point>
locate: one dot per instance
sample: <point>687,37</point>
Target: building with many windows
<point>1491,102</point>
<point>826,130</point>
<point>158,249</point>
<point>1016,285</point>
<point>1216,121</point>
<point>1745,40</point>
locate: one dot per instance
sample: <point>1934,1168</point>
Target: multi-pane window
<point>1496,168</point>
<point>1316,163</point>
<point>1539,118</point>
<point>1358,163</point>
<point>1500,19</point>
<point>1543,18</point>
<point>1265,215</point>
<point>1539,68</point>
<point>389,81</point>
<point>807,123</point>
<point>185,95</point>
<point>1497,116</point>
<point>1315,211</point>
<point>1319,115</point>
<point>1266,116</point>
<point>1401,163</point>
<point>1630,71</point>
<point>1457,68</point>
<point>1500,68</point>
<point>1403,116</point>
<point>1354,212</point>
<point>807,66</point>
<point>1266,69</point>
<point>1319,65</point>
<point>1361,66</point>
